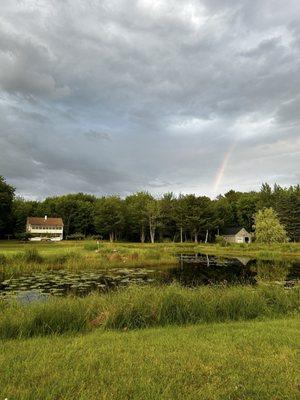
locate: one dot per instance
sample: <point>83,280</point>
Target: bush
<point>92,246</point>
<point>221,241</point>
<point>75,236</point>
<point>94,237</point>
<point>23,237</point>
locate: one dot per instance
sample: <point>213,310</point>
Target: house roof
<point>233,230</point>
<point>45,222</point>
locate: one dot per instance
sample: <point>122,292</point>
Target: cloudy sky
<point>116,96</point>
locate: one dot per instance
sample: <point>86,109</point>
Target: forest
<point>144,217</point>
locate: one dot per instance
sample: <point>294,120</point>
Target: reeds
<point>85,258</point>
<point>143,307</point>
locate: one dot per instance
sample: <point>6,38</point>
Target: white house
<point>237,235</point>
<point>45,228</point>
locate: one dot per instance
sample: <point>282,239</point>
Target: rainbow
<point>221,171</point>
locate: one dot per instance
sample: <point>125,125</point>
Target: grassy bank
<point>260,251</point>
<point>143,307</point>
<point>18,258</point>
<point>240,360</point>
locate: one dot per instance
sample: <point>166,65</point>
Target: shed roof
<point>233,230</point>
<point>42,221</point>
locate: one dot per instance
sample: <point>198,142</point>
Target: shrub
<point>94,237</point>
<point>23,237</point>
<point>92,246</point>
<point>75,236</point>
<point>221,241</point>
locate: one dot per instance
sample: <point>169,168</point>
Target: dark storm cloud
<point>118,96</point>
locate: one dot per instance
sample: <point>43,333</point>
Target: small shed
<point>237,235</point>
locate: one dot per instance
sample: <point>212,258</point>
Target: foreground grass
<point>239,360</point>
<point>19,258</point>
<point>143,307</point>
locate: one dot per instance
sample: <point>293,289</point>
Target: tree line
<point>143,217</point>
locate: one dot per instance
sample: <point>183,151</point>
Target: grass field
<point>237,360</point>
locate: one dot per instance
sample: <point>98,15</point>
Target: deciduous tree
<point>268,228</point>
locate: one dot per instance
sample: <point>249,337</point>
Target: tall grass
<point>142,307</point>
<point>87,257</point>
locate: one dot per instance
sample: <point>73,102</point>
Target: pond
<point>192,270</point>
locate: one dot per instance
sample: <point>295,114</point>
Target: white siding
<point>45,232</point>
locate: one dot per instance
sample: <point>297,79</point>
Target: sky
<point>118,96</point>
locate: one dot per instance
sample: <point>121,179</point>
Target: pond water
<point>192,270</point>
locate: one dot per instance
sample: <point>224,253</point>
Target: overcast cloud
<point>116,96</point>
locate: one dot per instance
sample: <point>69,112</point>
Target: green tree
<point>109,216</point>
<point>136,214</point>
<point>225,209</point>
<point>288,209</point>
<point>6,201</point>
<point>268,228</point>
<point>199,216</point>
<point>154,215</point>
<point>167,226</point>
<point>21,209</point>
<point>180,215</point>
<point>245,209</point>
<point>266,198</point>
<point>83,217</point>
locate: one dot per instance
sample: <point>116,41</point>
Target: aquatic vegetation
<point>66,282</point>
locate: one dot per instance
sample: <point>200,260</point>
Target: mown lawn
<point>233,360</point>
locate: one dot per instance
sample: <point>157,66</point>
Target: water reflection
<point>200,269</point>
<point>204,269</point>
